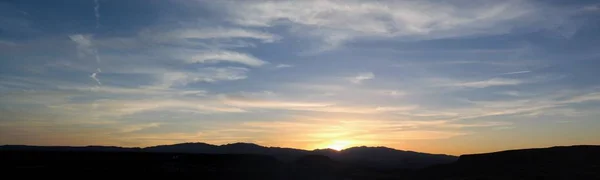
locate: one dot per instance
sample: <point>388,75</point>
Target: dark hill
<point>572,162</point>
<point>184,148</point>
<point>383,157</point>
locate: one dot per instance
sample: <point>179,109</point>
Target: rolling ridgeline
<point>251,161</point>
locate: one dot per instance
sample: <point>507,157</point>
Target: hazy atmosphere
<point>450,77</point>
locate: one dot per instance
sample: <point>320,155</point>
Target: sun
<point>338,145</point>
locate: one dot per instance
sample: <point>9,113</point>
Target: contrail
<point>97,55</point>
<point>97,13</point>
<point>86,43</point>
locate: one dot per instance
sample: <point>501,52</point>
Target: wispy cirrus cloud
<point>209,74</point>
<point>511,93</point>
<point>250,102</point>
<point>362,77</point>
<point>279,66</point>
<point>86,48</point>
<point>394,93</point>
<point>117,108</point>
<point>594,96</point>
<point>138,127</point>
<point>214,38</point>
<point>242,101</point>
<point>84,44</point>
<point>404,19</point>
<point>526,105</point>
<point>221,33</point>
<point>214,56</point>
<point>515,72</point>
<point>489,83</point>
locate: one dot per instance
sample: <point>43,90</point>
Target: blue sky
<point>448,77</point>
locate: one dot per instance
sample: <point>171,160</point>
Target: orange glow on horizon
<point>339,145</point>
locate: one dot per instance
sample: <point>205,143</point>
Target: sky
<point>452,77</point>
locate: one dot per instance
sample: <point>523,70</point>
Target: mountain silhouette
<point>377,157</point>
<point>561,162</point>
<point>383,157</point>
<point>251,161</point>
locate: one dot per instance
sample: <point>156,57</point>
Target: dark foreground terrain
<point>574,162</point>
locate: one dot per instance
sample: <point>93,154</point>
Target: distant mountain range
<point>375,157</point>
<point>251,161</point>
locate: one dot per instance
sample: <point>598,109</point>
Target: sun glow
<point>338,145</point>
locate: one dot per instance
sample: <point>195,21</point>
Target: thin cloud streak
<point>280,66</point>
<point>489,83</point>
<point>362,77</point>
<point>515,72</point>
<point>226,56</point>
<point>222,33</point>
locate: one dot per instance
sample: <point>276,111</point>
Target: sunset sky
<point>451,77</point>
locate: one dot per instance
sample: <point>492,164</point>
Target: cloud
<point>279,66</point>
<point>93,76</point>
<point>85,48</point>
<point>216,56</point>
<point>394,93</point>
<point>222,33</point>
<point>242,101</point>
<point>121,107</point>
<point>554,103</point>
<point>595,96</point>
<point>249,102</point>
<point>511,93</point>
<point>515,72</point>
<point>336,21</point>
<point>138,127</point>
<point>112,90</point>
<point>194,35</point>
<point>490,83</point>
<point>362,77</point>
<point>194,93</point>
<point>479,124</point>
<point>84,44</point>
<point>396,108</point>
<point>210,74</point>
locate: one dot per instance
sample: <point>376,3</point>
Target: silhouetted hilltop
<point>567,162</point>
<point>558,154</point>
<point>184,148</point>
<point>383,157</point>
